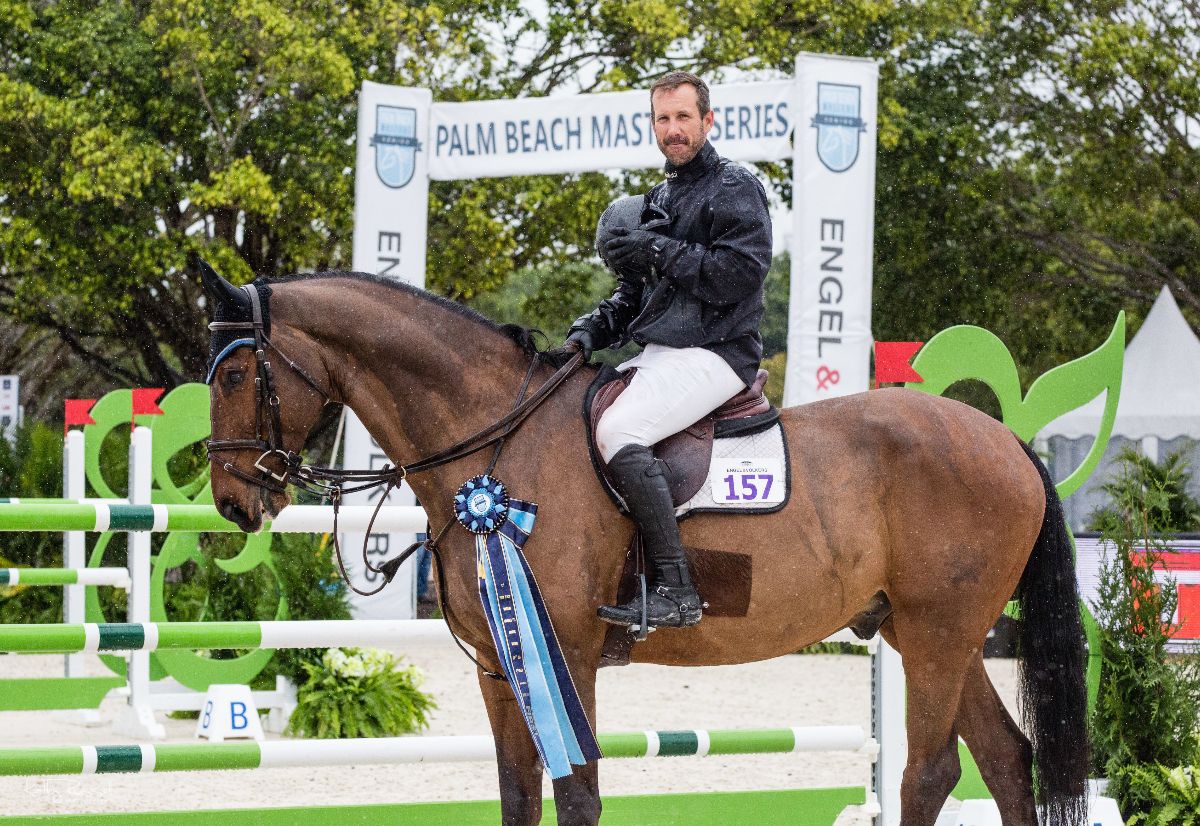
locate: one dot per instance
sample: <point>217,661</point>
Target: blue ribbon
<point>528,649</point>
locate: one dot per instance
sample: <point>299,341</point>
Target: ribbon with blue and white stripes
<point>530,655</point>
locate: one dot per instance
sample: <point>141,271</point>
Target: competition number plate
<point>747,481</point>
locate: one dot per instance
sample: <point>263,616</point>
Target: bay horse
<point>919,511</point>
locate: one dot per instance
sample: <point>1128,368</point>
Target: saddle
<point>724,577</point>
<point>686,454</point>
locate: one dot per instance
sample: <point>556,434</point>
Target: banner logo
<point>396,144</point>
<point>838,123</point>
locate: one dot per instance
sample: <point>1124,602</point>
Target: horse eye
<point>234,378</point>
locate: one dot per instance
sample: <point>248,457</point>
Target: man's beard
<point>688,150</point>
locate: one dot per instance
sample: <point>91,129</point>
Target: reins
<point>332,482</point>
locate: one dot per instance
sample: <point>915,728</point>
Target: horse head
<point>263,405</point>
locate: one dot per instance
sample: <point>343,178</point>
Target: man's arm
<point>737,260</point>
<point>609,321</point>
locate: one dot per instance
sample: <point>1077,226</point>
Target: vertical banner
<point>10,406</point>
<point>391,202</point>
<point>833,214</point>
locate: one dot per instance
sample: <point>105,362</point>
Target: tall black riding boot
<point>673,600</point>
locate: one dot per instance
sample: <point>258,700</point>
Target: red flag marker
<point>145,403</point>
<point>77,411</point>
<point>891,361</point>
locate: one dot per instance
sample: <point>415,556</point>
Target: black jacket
<point>707,286</point>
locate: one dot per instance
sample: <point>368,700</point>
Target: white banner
<point>585,133</point>
<point>391,202</point>
<point>10,406</point>
<point>833,214</point>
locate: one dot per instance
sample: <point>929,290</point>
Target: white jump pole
<point>74,545</point>
<point>887,728</point>
<point>137,719</point>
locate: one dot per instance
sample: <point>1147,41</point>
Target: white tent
<point>1160,388</point>
<point>1159,408</point>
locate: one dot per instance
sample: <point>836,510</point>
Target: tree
<point>1117,129</point>
<point>1036,168</point>
<point>133,134</point>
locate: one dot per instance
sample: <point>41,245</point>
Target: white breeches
<point>672,389</point>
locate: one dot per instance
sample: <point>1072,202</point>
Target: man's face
<point>678,127</point>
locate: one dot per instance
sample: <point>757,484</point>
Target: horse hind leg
<point>1002,752</point>
<point>934,672</point>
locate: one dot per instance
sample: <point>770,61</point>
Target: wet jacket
<point>706,289</point>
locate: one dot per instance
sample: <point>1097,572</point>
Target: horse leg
<point>1002,752</point>
<point>517,759</point>
<point>577,796</point>
<point>934,671</point>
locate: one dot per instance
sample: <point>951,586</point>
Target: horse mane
<point>523,337</point>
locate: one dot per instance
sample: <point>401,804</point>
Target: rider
<point>690,265</point>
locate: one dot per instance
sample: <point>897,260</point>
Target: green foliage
<point>132,134</point>
<point>1160,489</point>
<point>31,466</point>
<point>314,589</point>
<point>304,573</point>
<point>1164,796</point>
<point>360,693</point>
<point>774,328</point>
<point>1034,158</point>
<point>776,367</point>
<point>834,648</point>
<point>1148,706</point>
<point>547,298</point>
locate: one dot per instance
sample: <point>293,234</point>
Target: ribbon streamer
<point>528,648</point>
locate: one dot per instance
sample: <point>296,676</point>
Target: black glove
<point>633,252</point>
<point>578,340</point>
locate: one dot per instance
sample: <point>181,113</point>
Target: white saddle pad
<point>747,474</point>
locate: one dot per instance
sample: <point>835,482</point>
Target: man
<point>690,289</point>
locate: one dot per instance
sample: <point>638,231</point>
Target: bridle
<point>264,383</point>
<point>330,482</point>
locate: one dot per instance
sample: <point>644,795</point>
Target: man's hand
<point>633,252</point>
<point>579,341</point>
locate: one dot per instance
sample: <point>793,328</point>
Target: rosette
<point>481,504</point>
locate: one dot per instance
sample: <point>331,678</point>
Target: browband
<point>229,348</point>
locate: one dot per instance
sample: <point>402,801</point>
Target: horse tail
<point>1050,644</point>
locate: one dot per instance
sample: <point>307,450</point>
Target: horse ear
<point>220,290</point>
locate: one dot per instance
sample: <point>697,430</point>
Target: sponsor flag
<point>391,205</point>
<point>892,361</point>
<point>145,403</point>
<point>77,411</point>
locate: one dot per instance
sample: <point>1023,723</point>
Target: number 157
<point>749,490</point>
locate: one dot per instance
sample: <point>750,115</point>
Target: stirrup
<point>664,606</point>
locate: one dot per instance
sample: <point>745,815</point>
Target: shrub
<point>1165,796</point>
<point>1146,708</point>
<point>304,574</point>
<point>360,692</point>
<point>1158,488</point>
<point>31,466</point>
